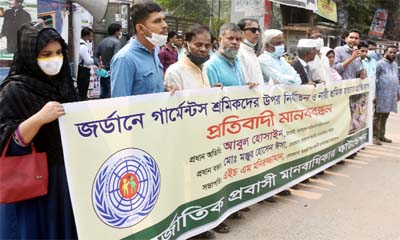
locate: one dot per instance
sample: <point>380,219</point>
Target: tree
<point>198,10</point>
<point>361,13</point>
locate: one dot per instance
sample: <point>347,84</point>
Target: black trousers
<point>83,81</point>
<point>105,89</point>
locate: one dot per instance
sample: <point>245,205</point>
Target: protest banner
<point>158,166</point>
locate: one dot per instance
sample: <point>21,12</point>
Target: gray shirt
<point>388,86</point>
<point>352,70</point>
<point>106,49</point>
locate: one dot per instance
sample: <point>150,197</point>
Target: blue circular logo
<point>126,188</point>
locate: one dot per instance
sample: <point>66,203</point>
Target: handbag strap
<point>3,154</point>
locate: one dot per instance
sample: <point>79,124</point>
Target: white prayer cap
<point>270,34</point>
<point>307,43</point>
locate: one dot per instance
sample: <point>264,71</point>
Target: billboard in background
<point>52,13</point>
<point>10,22</point>
<point>378,24</point>
<point>248,9</point>
<point>327,9</point>
<point>307,4</point>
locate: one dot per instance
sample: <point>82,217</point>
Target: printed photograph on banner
<point>359,112</point>
<point>13,14</point>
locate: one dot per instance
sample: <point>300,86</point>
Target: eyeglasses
<point>253,29</point>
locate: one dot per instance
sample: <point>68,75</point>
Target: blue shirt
<point>352,70</point>
<point>181,52</point>
<point>220,70</point>
<point>369,64</point>
<point>136,71</point>
<point>278,70</point>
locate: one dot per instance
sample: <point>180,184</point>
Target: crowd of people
<point>156,61</point>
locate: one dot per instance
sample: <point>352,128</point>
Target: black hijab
<point>27,88</point>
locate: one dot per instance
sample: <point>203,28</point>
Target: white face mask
<point>50,66</point>
<point>157,40</point>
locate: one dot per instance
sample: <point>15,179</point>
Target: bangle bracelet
<point>20,137</point>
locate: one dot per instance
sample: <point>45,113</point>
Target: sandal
<point>236,215</point>
<point>204,235</point>
<point>246,209</point>
<point>222,228</point>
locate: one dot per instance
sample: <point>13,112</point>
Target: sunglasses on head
<point>253,29</point>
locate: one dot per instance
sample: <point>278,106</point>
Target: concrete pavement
<point>359,200</point>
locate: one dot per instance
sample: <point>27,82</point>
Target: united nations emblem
<point>126,188</point>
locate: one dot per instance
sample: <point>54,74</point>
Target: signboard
<point>378,24</point>
<point>169,167</point>
<point>327,9</point>
<point>307,4</point>
<point>11,21</point>
<point>248,9</point>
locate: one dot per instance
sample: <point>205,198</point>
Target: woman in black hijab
<point>30,100</point>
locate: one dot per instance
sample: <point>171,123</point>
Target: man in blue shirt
<point>136,68</point>
<point>347,61</point>
<point>372,47</point>
<point>223,68</point>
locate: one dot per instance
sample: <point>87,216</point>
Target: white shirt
<point>320,69</point>
<point>86,54</point>
<point>184,74</point>
<point>278,70</point>
<point>250,65</point>
<point>303,63</point>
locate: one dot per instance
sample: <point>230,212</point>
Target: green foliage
<point>198,10</point>
<point>361,12</point>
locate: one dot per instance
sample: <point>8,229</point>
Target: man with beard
<point>247,56</point>
<point>224,67</point>
<point>347,61</point>
<point>387,92</point>
<point>273,66</point>
<point>189,72</point>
